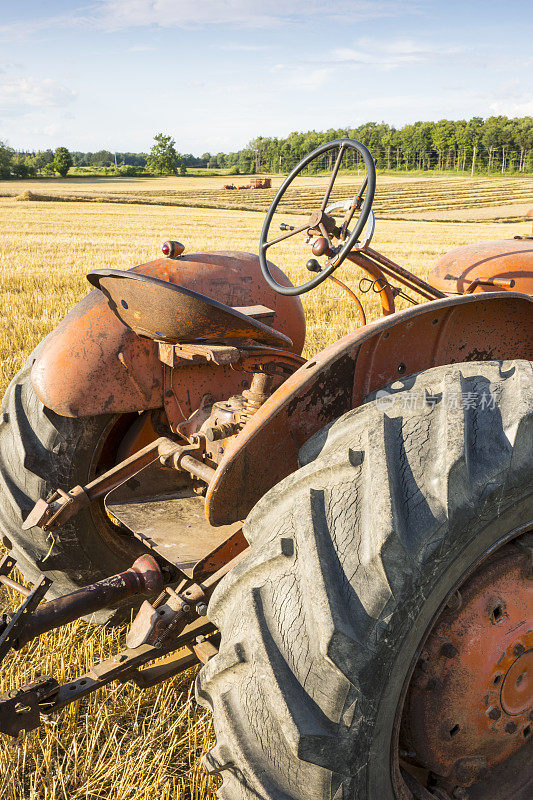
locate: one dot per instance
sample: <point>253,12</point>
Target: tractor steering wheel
<point>320,223</point>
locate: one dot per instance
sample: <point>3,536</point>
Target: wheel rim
<point>468,707</point>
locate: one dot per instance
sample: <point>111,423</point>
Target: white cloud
<point>240,13</point>
<point>523,108</point>
<point>78,18</point>
<point>21,95</point>
<point>392,53</point>
<point>121,14</point>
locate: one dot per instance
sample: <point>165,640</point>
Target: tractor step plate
<point>169,520</point>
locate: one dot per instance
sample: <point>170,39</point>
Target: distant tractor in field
<point>260,183</point>
<point>344,542</point>
<point>255,183</point>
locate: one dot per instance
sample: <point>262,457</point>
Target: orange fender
<point>477,327</point>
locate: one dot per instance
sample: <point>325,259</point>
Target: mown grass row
<point>393,197</point>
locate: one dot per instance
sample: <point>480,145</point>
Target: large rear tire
<point>41,451</point>
<point>353,558</point>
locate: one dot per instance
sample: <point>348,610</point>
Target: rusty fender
<point>477,327</point>
<point>93,364</point>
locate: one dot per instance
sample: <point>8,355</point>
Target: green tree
<point>39,161</point>
<point>103,158</point>
<point>524,139</point>
<point>6,160</point>
<point>20,168</point>
<point>62,161</point>
<point>163,157</point>
<point>492,137</point>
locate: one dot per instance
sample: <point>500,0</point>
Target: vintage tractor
<point>345,543</point>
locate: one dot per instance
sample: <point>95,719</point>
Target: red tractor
<point>345,543</point>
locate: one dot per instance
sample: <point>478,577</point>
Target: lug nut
<point>493,712</point>
<point>460,794</point>
<point>455,602</point>
<point>510,727</point>
<point>448,650</point>
<point>201,609</point>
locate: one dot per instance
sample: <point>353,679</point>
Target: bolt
<point>185,608</point>
<point>460,794</point>
<point>510,727</point>
<point>448,650</point>
<point>201,609</point>
<point>518,649</point>
<point>493,712</point>
<point>455,602</point>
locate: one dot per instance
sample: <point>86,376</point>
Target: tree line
<point>497,144</point>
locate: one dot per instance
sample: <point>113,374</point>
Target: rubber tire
<point>39,452</point>
<point>352,557</point>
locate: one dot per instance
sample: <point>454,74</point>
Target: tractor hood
<point>508,259</point>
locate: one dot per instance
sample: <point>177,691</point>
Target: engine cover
<point>510,259</point>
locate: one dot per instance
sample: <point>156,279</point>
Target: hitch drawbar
<point>143,577</point>
<point>172,627</point>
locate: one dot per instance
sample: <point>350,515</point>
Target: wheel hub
<point>469,706</point>
<point>517,690</point>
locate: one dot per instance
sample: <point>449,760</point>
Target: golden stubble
<point>122,743</point>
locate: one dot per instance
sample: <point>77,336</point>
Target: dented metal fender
<point>478,327</point>
<point>93,364</point>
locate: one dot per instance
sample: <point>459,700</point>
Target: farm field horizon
<point>425,196</point>
<point>124,744</point>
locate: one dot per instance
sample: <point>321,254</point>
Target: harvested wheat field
<point>124,744</point>
<point>434,197</point>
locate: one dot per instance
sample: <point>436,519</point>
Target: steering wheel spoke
<point>334,174</point>
<point>338,241</point>
<point>283,236</point>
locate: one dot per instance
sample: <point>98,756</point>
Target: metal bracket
<point>8,638</point>
<point>20,709</point>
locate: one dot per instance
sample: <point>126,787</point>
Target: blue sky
<point>216,73</point>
